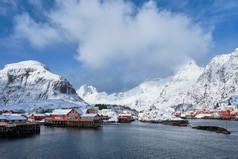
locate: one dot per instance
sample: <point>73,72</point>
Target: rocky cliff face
<point>30,81</point>
<point>217,82</point>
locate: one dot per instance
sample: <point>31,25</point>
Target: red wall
<point>65,117</point>
<point>225,113</point>
<point>124,116</point>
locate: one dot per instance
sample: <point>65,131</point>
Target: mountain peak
<point>26,64</point>
<point>190,68</point>
<point>192,62</point>
<point>30,81</point>
<point>85,89</point>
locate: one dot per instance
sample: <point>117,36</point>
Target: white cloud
<point>38,34</point>
<point>144,40</point>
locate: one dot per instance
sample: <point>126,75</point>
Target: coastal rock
<point>213,128</point>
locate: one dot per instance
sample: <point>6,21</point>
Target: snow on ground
<point>199,116</point>
<point>110,113</point>
<point>157,115</point>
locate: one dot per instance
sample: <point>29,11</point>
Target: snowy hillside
<point>31,81</point>
<point>218,81</point>
<point>191,84</point>
<point>151,93</point>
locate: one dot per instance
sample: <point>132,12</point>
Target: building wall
<point>71,115</point>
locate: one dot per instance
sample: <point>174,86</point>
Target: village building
<point>11,112</point>
<point>177,114</point>
<point>73,118</point>
<point>37,117</point>
<point>226,113</point>
<point>13,119</point>
<point>106,113</point>
<point>124,118</point>
<point>90,117</point>
<point>65,114</point>
<point>17,125</point>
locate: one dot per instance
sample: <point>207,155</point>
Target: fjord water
<point>135,140</point>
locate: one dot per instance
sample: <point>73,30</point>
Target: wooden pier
<point>21,129</point>
<point>72,123</point>
<point>125,120</point>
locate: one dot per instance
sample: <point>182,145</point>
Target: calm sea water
<point>135,140</point>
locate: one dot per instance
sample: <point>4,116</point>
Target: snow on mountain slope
<point>46,104</point>
<point>217,82</point>
<point>31,81</point>
<point>91,94</point>
<point>152,93</point>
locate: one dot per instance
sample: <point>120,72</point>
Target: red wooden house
<point>90,117</point>
<point>233,113</point>
<point>11,112</point>
<point>177,114</point>
<point>226,113</point>
<point>106,117</point>
<point>13,119</point>
<point>66,114</point>
<point>37,117</point>
<point>200,112</point>
<point>124,116</point>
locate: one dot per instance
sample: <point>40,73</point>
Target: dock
<point>86,123</point>
<point>21,129</point>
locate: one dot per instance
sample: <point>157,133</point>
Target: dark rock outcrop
<point>171,122</point>
<point>213,128</point>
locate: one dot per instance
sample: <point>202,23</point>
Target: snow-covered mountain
<point>192,84</point>
<point>152,93</point>
<point>31,81</point>
<point>218,81</point>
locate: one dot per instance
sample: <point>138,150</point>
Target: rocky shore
<point>170,122</point>
<point>213,128</point>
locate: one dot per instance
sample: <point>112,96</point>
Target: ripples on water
<point>135,140</point>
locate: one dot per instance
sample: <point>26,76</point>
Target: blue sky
<point>115,45</point>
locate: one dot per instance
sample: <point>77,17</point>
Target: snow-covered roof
<point>61,111</point>
<point>124,114</point>
<point>48,114</point>
<point>79,111</point>
<point>2,117</point>
<point>88,115</point>
<point>11,114</point>
<point>39,114</point>
<point>16,117</point>
<point>19,117</point>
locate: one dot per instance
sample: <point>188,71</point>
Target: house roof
<point>88,115</point>
<point>39,114</point>
<point>79,111</point>
<point>16,117</point>
<point>61,111</point>
<point>2,117</point>
<point>124,114</point>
